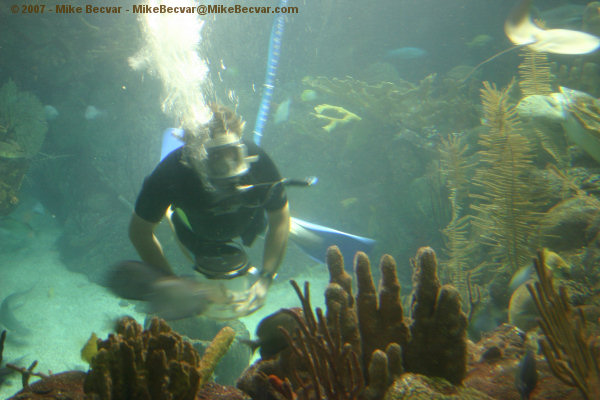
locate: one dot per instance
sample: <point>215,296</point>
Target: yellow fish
<point>90,348</point>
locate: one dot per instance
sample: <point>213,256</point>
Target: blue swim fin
<point>315,239</point>
<point>172,139</point>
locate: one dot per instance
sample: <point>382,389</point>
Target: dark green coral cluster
<point>22,122</point>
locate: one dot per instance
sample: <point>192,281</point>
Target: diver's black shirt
<point>174,183</point>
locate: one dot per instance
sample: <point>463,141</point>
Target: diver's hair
<point>223,120</point>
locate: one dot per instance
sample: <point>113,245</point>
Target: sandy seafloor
<point>64,307</point>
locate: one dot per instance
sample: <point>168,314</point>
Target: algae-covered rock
<point>22,123</point>
<point>565,226</point>
<point>419,387</point>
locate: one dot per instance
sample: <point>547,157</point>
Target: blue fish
<point>406,53</point>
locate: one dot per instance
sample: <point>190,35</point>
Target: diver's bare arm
<point>141,234</point>
<point>276,240</point>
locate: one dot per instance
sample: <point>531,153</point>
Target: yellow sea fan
<point>504,205</point>
<point>535,74</point>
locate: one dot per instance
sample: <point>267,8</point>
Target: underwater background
<point>379,100</point>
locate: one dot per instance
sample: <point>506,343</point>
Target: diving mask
<point>227,157</point>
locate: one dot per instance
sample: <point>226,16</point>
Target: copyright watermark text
<point>203,9</point>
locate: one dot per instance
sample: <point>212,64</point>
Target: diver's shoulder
<point>173,159</point>
<point>173,165</point>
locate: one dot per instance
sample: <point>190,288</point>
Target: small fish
<point>51,112</point>
<point>270,338</point>
<point>527,376</point>
<point>527,272</point>
<point>480,41</point>
<point>308,95</point>
<point>92,112</point>
<point>350,201</point>
<point>90,348</point>
<point>282,113</point>
<point>406,53</point>
<point>522,275</point>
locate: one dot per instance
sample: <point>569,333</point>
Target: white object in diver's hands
<point>522,31</point>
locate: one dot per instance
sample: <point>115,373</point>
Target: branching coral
<point>333,367</point>
<point>571,353</point>
<point>152,364</point>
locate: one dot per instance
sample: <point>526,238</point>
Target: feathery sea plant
<point>505,212</point>
<point>454,168</point>
<point>534,72</point>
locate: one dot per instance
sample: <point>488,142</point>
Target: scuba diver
<point>217,190</point>
<point>212,191</point>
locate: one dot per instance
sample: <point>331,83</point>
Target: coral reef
<point>493,363</point>
<point>65,385</point>
<point>135,364</point>
<point>213,391</point>
<point>571,352</point>
<point>419,387</point>
<point>585,109</point>
<point>332,365</point>
<point>22,123</point>
<point>591,18</point>
<point>12,173</point>
<point>22,132</point>
<point>580,74</point>
<point>363,344</point>
<point>151,364</point>
<point>400,103</point>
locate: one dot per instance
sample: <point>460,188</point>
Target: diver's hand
<point>255,297</point>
